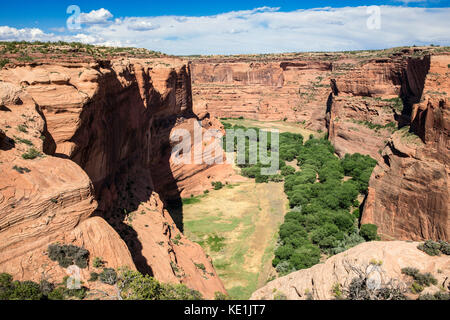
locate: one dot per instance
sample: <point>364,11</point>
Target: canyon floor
<point>238,227</point>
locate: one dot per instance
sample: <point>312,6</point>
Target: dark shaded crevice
<point>119,144</point>
<point>413,82</point>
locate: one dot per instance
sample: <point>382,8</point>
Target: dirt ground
<point>244,220</point>
<point>279,125</point>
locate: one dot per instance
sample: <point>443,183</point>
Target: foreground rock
<point>389,258</point>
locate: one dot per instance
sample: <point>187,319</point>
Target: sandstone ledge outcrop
<point>318,282</point>
<point>101,130</point>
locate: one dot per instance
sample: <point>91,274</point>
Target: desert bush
<point>93,277</point>
<point>17,290</point>
<point>433,248</point>
<point>67,255</point>
<point>369,232</point>
<point>31,154</point>
<point>108,276</point>
<point>3,63</point>
<point>98,262</point>
<point>21,170</point>
<point>359,288</point>
<point>421,279</point>
<point>435,296</point>
<point>135,286</point>
<point>221,296</point>
<point>217,185</point>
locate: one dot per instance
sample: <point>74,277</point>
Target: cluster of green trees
<point>135,286</point>
<point>131,285</point>
<point>289,147</point>
<point>67,255</point>
<point>44,290</point>
<point>321,221</point>
<point>324,216</point>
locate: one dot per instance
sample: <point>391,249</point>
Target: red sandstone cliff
<point>363,98</point>
<point>106,126</point>
<point>409,191</point>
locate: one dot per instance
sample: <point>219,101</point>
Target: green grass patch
<point>31,154</point>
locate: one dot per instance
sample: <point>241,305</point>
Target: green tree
<point>369,232</point>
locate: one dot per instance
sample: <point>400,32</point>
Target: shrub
<point>135,286</point>
<point>94,277</point>
<point>21,170</point>
<point>108,276</point>
<point>46,287</point>
<point>16,290</point>
<point>305,257</point>
<point>3,63</point>
<point>22,128</point>
<point>416,288</point>
<point>216,243</point>
<point>31,154</point>
<point>26,290</point>
<point>67,255</point>
<point>279,296</point>
<point>359,290</point>
<point>412,272</point>
<point>435,248</point>
<point>217,185</point>
<point>436,296</point>
<point>98,262</point>
<point>369,232</point>
<point>221,296</point>
<point>287,171</point>
<point>425,279</point>
<point>445,247</point>
<point>421,279</point>
<point>261,179</point>
<point>179,292</point>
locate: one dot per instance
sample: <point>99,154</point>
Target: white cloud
<point>99,16</point>
<point>27,34</point>
<point>137,24</point>
<point>267,30</point>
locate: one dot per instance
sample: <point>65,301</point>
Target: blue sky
<point>211,27</point>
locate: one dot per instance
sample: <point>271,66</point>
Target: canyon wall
<point>293,90</point>
<point>390,104</point>
<point>103,127</point>
<point>409,191</point>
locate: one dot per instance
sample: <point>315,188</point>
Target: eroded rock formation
<point>294,89</point>
<point>371,103</point>
<point>381,261</point>
<point>409,190</point>
<point>101,130</point>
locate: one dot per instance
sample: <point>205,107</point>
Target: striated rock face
<point>107,122</point>
<point>363,99</point>
<point>293,90</point>
<point>409,191</point>
<point>318,282</point>
<point>45,200</point>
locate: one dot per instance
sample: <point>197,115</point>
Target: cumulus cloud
<point>27,34</point>
<point>268,30</point>
<point>140,25</point>
<point>99,16</point>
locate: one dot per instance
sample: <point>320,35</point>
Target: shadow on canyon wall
<point>123,145</point>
